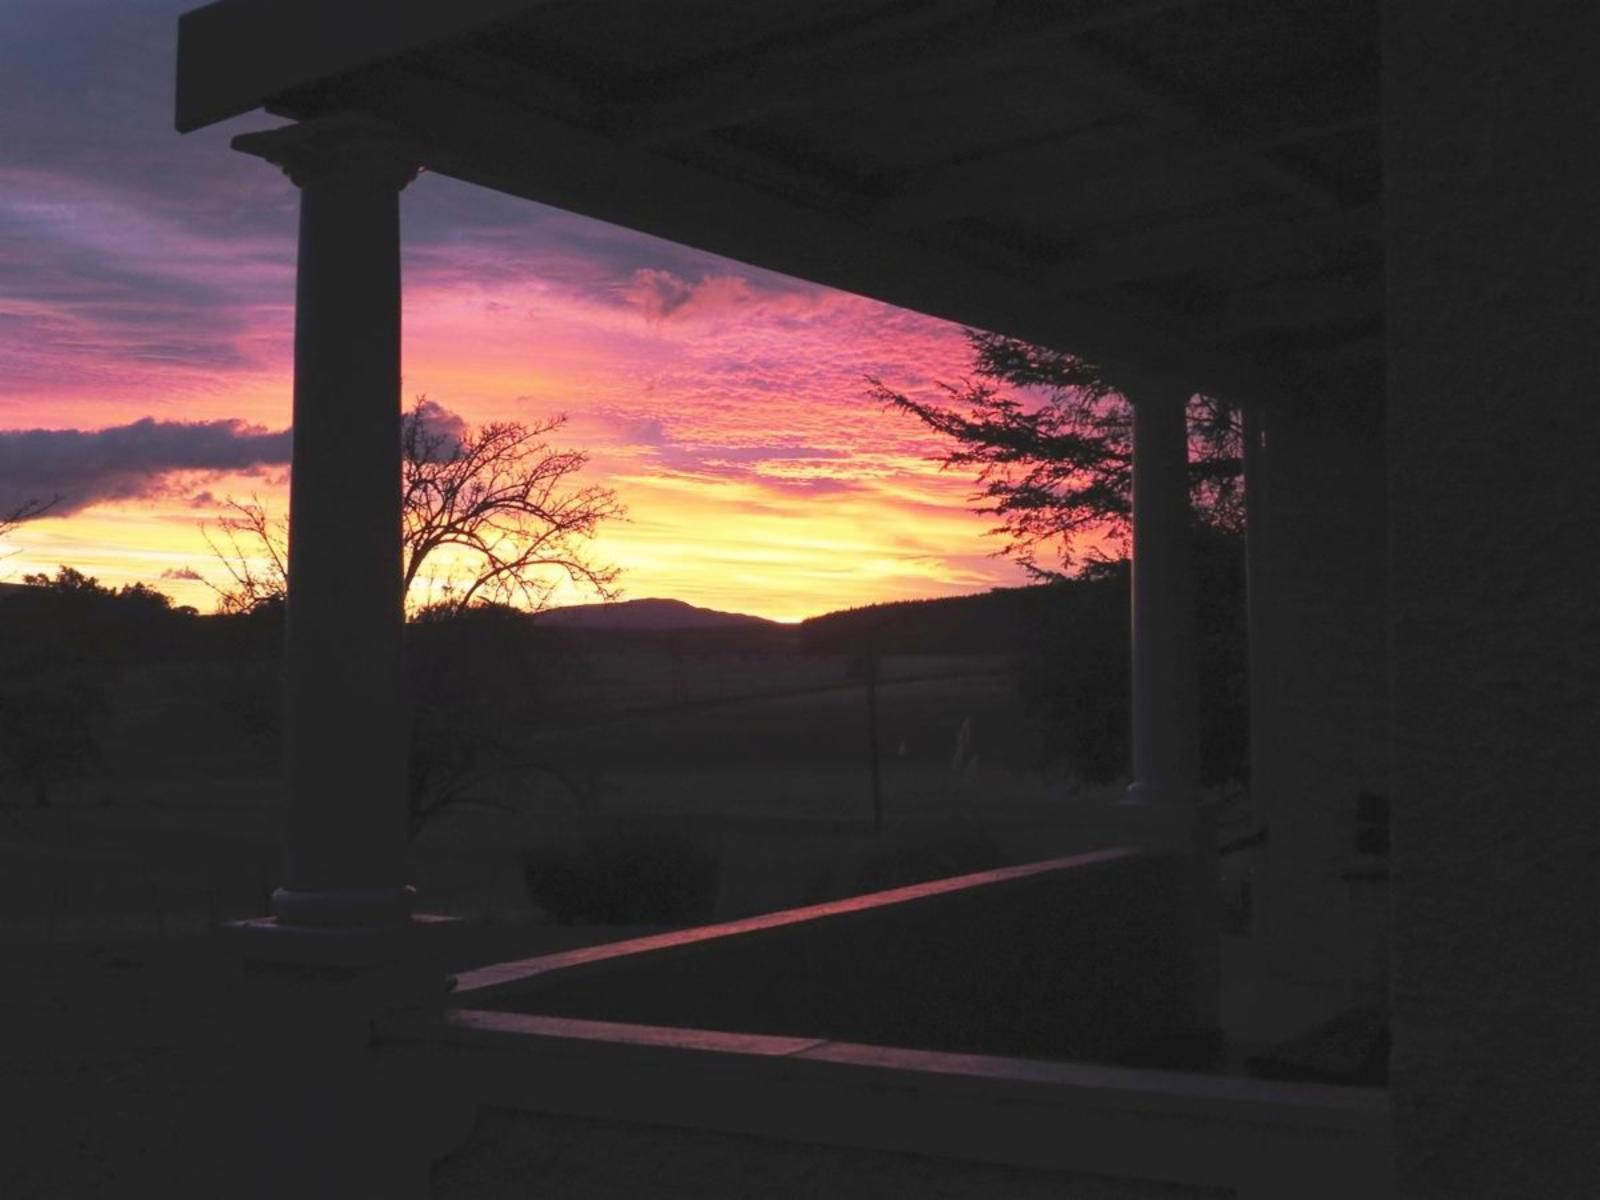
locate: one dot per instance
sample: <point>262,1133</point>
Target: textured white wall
<point>1493,240</point>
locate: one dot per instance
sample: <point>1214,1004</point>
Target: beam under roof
<point>950,42</point>
<point>1108,67</point>
<point>1226,247</point>
<point>1039,168</point>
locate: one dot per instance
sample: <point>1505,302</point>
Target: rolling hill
<point>650,615</point>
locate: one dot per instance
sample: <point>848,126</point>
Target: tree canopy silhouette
<point>1054,462</point>
<point>489,514</point>
<point>500,496</point>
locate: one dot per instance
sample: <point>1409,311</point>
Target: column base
<point>345,908</point>
<point>1155,795</point>
<point>268,939</point>
<point>323,1103</point>
<point>1157,816</point>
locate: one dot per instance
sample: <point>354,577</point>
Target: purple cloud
<point>125,462</point>
<point>663,294</point>
<point>442,430</point>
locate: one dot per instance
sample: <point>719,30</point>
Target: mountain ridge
<point>648,613</point>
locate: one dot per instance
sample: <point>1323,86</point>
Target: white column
<point>1163,703</point>
<point>1163,794</point>
<point>346,737</point>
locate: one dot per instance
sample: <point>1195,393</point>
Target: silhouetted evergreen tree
<point>1050,442</point>
<point>1054,458</point>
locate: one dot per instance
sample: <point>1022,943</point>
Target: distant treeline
<point>1001,621</point>
<point>69,622</point>
<point>95,680</point>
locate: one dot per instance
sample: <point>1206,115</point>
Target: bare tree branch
<point>253,548</point>
<point>498,496</point>
<point>496,500</point>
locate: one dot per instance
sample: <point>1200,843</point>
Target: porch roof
<point>1184,187</point>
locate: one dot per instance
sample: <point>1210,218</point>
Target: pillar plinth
<point>346,733</point>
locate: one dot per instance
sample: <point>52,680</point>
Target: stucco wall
<point>1317,547</point>
<point>1494,443</point>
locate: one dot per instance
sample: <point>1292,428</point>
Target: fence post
<point>870,670</point>
<point>161,916</point>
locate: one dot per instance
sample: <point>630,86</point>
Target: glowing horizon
<point>149,275</point>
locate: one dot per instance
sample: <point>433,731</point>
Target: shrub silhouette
<point>48,735</point>
<point>629,877</point>
<point>952,848</point>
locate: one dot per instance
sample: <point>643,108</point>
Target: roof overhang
<point>1186,188</point>
<point>234,54</point>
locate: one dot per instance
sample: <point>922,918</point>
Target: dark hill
<point>636,616</point>
<point>1000,621</point>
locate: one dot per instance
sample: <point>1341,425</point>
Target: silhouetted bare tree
<point>1055,462</point>
<point>500,497</point>
<point>253,547</point>
<point>497,502</point>
<point>480,678</point>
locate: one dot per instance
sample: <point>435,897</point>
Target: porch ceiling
<point>1187,187</point>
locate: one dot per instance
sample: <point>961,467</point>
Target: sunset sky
<point>146,288</point>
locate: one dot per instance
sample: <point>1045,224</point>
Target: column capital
<point>1142,386</point>
<point>341,151</point>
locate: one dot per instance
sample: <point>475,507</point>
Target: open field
<point>943,741</point>
<point>769,768</point>
<point>150,808</point>
<point>662,677</point>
